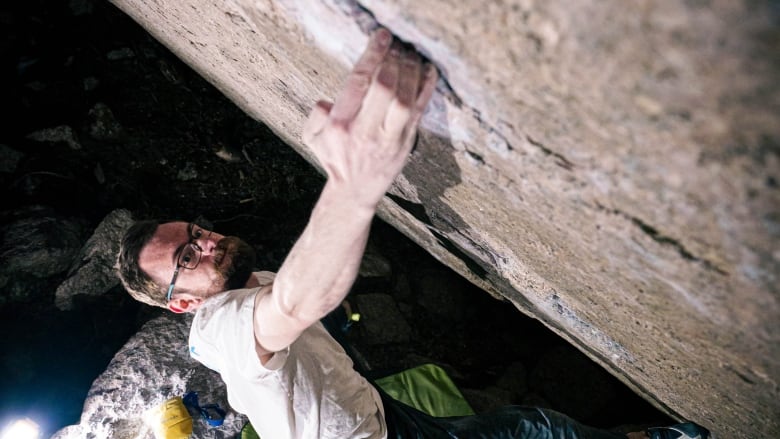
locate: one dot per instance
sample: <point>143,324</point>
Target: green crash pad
<point>427,388</point>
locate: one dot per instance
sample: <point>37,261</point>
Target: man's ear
<point>184,303</point>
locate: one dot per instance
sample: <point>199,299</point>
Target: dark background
<point>151,136</point>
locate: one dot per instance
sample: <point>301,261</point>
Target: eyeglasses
<point>189,255</point>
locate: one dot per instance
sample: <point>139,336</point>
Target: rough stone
<point>402,289</point>
<point>442,293</point>
<point>59,134</point>
<point>514,380</point>
<point>485,400</point>
<point>103,124</point>
<point>153,366</point>
<point>36,244</point>
<point>94,271</point>
<point>9,158</point>
<point>188,172</point>
<point>120,54</point>
<point>81,7</point>
<point>380,320</point>
<point>374,264</point>
<point>550,379</point>
<point>603,165</point>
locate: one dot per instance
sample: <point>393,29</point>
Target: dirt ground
<point>97,116</point>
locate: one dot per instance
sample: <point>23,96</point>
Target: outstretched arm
<point>362,141</point>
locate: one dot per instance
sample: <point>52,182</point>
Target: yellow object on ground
<point>170,420</point>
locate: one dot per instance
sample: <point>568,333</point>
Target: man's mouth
<point>219,253</point>
<point>225,258</point>
<point>234,260</point>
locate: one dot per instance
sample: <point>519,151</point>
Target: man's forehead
<point>159,250</point>
<point>175,231</point>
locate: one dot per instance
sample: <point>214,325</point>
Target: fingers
<point>349,101</point>
<point>317,120</point>
<point>403,117</point>
<point>400,110</point>
<point>383,98</point>
<point>430,77</point>
<point>380,95</point>
<point>410,78</point>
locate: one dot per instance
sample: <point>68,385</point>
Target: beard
<point>236,262</point>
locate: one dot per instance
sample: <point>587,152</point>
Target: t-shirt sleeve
<point>222,336</point>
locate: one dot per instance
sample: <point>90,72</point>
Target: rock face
<point>36,244</point>
<point>94,272</point>
<point>152,367</point>
<point>610,167</point>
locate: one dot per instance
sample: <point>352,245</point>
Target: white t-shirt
<point>309,390</point>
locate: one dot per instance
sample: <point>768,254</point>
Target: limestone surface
<point>610,167</point>
<point>151,368</point>
<point>93,272</point>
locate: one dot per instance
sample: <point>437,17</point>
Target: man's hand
<point>363,140</point>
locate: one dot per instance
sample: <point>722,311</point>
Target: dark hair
<point>139,284</point>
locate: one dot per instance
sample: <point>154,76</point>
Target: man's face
<point>225,262</point>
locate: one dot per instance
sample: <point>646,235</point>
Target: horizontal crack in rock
<point>560,160</point>
<point>656,236</point>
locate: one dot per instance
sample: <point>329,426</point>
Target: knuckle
<point>387,78</point>
<point>308,135</point>
<point>405,98</point>
<point>338,127</point>
<point>401,107</point>
<point>410,62</point>
<point>360,81</point>
<point>367,138</point>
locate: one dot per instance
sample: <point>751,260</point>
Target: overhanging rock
<point>611,167</point>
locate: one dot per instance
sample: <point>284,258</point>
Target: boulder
<point>56,135</point>
<point>443,294</point>
<point>610,167</point>
<point>36,244</point>
<point>380,320</point>
<point>153,366</point>
<point>374,264</point>
<point>9,159</point>
<point>561,369</point>
<point>93,273</point>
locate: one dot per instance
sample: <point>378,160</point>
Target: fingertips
<point>357,84</point>
<point>429,78</point>
<point>388,72</point>
<point>427,86</point>
<point>381,38</point>
<point>409,78</point>
<point>416,85</point>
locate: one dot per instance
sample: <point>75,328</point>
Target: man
<point>281,367</point>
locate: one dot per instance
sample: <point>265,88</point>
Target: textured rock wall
<point>611,167</point>
<point>151,367</point>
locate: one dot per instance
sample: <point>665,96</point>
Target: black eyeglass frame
<point>191,230</point>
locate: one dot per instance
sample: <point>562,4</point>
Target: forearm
<point>322,265</point>
<point>362,142</point>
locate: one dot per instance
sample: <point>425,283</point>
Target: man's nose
<point>207,242</point>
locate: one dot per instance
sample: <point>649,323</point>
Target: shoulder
<point>233,301</point>
<point>220,323</point>
<point>264,277</point>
